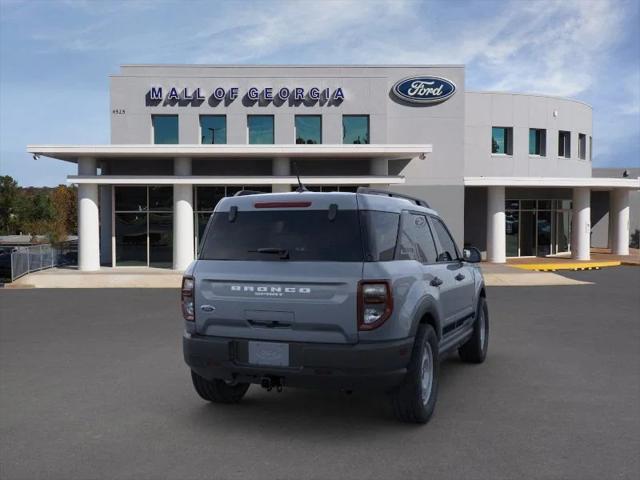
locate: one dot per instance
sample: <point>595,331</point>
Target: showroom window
<point>333,188</point>
<point>582,146</point>
<point>143,220</point>
<point>538,142</point>
<point>261,129</point>
<point>355,129</point>
<point>564,144</point>
<point>502,140</point>
<point>308,129</point>
<point>205,199</point>
<point>537,227</point>
<point>165,129</point>
<point>213,129</point>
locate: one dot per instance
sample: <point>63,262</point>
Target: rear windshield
<point>284,235</point>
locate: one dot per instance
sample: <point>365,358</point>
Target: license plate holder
<point>269,353</point>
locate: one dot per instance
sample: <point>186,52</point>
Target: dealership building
<point>510,173</point>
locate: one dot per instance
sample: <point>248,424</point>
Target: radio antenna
<point>301,188</point>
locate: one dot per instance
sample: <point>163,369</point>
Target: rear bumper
<point>379,365</point>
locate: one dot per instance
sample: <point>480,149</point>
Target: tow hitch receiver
<point>271,382</point>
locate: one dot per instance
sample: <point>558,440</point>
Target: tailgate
<point>281,301</point>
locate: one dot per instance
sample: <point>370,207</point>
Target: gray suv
<point>340,290</point>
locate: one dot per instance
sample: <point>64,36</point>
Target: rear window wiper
<point>282,252</point>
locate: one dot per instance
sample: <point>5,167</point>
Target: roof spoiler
<point>242,193</point>
<point>373,191</point>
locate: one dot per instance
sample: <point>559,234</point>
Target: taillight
<point>186,298</point>
<point>375,303</point>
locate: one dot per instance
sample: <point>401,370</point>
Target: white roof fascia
<point>73,152</point>
<point>592,182</point>
<point>231,180</point>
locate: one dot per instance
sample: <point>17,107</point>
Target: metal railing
<point>39,257</point>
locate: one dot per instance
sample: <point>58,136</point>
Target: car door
<point>458,288</point>
<point>416,242</point>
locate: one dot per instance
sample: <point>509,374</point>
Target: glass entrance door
<point>563,232</point>
<point>143,220</point>
<point>537,227</point>
<point>544,233</point>
<point>527,233</point>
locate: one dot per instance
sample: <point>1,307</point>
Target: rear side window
<point>449,251</point>
<point>284,235</point>
<point>416,241</point>
<point>380,231</point>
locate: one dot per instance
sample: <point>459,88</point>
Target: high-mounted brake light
<point>187,299</point>
<point>375,303</point>
<point>282,204</point>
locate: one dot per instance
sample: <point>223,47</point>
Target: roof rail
<point>373,191</point>
<point>242,193</point>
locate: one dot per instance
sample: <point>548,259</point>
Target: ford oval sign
<point>424,89</point>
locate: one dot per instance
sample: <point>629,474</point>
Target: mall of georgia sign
<point>424,90</point>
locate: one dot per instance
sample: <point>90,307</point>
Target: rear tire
<point>218,391</point>
<point>475,349</point>
<point>414,401</point>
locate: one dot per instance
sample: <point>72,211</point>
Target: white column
<point>88,219</point>
<point>281,168</point>
<point>619,221</point>
<point>182,217</point>
<point>496,234</point>
<point>581,224</point>
<point>380,167</point>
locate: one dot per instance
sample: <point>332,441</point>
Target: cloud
<point>575,48</point>
<point>631,89</point>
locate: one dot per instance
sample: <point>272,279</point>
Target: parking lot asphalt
<point>93,385</point>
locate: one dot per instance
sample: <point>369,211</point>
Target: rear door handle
<point>436,282</point>
<point>459,277</point>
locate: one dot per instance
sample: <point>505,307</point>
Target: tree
<point>36,211</point>
<point>64,222</point>
<point>9,192</point>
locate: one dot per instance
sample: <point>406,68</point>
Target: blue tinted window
<point>308,129</point>
<point>260,129</point>
<point>355,129</point>
<point>533,146</point>
<point>537,141</point>
<point>564,144</point>
<point>165,128</point>
<point>213,129</point>
<point>501,140</point>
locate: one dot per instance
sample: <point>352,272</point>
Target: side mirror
<point>471,255</point>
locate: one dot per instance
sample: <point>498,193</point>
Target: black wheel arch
<point>427,313</point>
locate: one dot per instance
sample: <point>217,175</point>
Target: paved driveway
<point>93,386</point>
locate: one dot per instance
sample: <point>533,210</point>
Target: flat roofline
<point>71,153</point>
<point>294,65</point>
<point>256,66</point>
<point>546,182</point>
<point>541,95</point>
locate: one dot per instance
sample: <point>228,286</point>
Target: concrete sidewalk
<point>502,275</point>
<point>139,277</point>
<point>106,277</point>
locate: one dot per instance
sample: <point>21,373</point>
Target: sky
<point>56,56</point>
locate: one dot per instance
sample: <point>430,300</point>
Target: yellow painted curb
<point>552,267</point>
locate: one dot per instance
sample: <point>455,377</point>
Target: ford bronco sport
<point>343,290</point>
